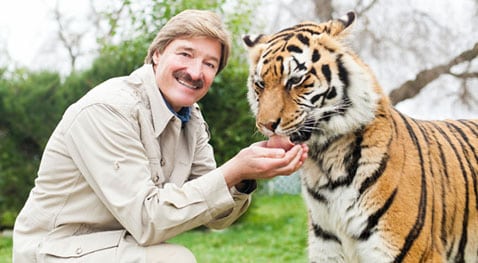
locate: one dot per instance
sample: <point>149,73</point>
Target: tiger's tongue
<point>277,141</point>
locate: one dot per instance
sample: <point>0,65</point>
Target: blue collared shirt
<point>184,114</point>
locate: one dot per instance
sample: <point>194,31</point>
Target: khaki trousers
<point>128,251</point>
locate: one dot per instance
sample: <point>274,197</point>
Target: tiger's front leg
<point>323,248</point>
<point>328,245</point>
<point>327,248</point>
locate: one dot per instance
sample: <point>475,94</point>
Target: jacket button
<point>79,251</point>
<point>116,165</point>
<point>162,162</point>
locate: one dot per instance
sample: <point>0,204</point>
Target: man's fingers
<point>263,152</point>
<point>293,162</point>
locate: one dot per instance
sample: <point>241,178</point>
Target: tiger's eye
<point>294,80</point>
<point>259,84</point>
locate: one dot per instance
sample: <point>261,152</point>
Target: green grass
<point>5,249</point>
<point>273,230</point>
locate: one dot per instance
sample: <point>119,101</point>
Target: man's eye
<point>211,65</point>
<point>185,54</point>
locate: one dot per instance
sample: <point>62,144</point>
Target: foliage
<point>16,178</point>
<point>28,106</point>
<point>29,113</point>
<point>31,103</point>
<point>273,230</point>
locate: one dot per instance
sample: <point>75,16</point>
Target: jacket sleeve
<point>109,154</point>
<point>204,161</point>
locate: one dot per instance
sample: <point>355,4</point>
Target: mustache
<point>183,75</point>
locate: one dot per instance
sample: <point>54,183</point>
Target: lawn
<point>5,249</point>
<point>273,230</point>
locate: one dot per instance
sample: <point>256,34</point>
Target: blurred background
<point>424,54</point>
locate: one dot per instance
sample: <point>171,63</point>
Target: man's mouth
<point>186,80</point>
<point>187,84</point>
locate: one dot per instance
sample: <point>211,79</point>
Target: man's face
<point>186,69</point>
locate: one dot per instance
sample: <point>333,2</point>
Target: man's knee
<point>165,253</point>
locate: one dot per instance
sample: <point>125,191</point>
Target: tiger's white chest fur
<point>337,215</point>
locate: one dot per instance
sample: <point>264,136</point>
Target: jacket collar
<point>160,113</point>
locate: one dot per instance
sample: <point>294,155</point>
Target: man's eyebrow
<point>185,48</point>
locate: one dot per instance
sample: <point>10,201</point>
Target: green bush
<point>28,107</point>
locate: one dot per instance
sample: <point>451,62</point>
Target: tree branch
<point>70,41</point>
<point>412,87</point>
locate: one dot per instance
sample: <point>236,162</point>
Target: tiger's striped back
<point>379,186</point>
<point>446,153</point>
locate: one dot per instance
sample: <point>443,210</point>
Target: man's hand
<point>265,160</point>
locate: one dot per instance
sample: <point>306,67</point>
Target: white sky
<point>21,21</point>
<point>26,28</point>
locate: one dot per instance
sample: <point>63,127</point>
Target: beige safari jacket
<point>119,164</point>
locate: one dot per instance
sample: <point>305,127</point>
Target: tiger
<point>379,186</point>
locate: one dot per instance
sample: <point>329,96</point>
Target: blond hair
<point>192,23</point>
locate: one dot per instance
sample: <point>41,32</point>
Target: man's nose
<point>195,69</point>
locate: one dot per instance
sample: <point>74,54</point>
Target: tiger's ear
<point>250,41</point>
<point>255,46</point>
<point>337,26</point>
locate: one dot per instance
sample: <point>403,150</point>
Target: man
<point>129,165</point>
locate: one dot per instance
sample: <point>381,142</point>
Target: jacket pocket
<point>82,245</point>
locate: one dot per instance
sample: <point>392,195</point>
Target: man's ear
<point>156,56</point>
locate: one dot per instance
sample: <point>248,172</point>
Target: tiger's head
<point>305,81</point>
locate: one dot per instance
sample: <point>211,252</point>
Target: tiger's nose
<point>271,126</point>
